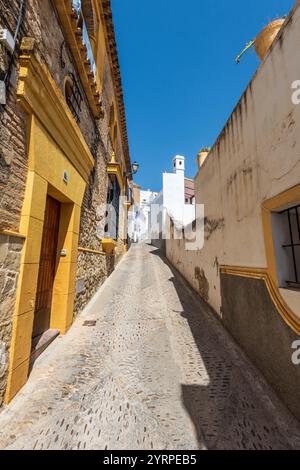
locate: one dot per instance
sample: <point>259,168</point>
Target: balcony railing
<point>87,44</point>
<point>77,36</point>
<point>76,4</point>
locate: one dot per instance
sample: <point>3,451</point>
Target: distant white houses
<point>147,198</point>
<point>150,214</point>
<point>139,216</point>
<point>175,201</point>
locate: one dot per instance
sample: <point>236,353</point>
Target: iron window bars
<point>293,216</point>
<point>113,210</point>
<point>74,97</point>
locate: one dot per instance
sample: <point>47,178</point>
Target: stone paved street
<point>156,371</point>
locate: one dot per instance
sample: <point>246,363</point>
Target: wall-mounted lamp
<point>135,168</point>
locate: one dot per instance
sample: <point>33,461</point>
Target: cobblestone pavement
<point>157,371</point>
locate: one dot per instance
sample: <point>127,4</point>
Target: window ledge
<point>115,168</point>
<point>109,245</point>
<point>74,37</point>
<point>292,299</point>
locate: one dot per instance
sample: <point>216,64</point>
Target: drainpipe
<point>12,49</point>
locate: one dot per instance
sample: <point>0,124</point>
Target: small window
<point>73,97</point>
<point>115,136</point>
<point>286,234</point>
<point>111,119</point>
<point>113,201</point>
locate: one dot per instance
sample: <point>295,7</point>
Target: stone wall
<point>44,26</point>
<point>13,161</point>
<point>92,272</point>
<point>10,256</point>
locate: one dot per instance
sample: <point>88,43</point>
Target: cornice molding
<point>11,233</point>
<point>109,245</point>
<point>75,40</point>
<point>283,309</point>
<point>38,93</point>
<point>112,50</point>
<point>114,168</point>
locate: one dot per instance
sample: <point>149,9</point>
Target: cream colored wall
<point>256,157</point>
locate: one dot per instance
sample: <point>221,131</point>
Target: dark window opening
<point>115,137</point>
<point>292,245</point>
<point>113,209</point>
<point>73,97</point>
<point>112,123</point>
<point>129,194</point>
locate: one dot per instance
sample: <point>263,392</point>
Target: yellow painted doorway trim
<point>59,164</point>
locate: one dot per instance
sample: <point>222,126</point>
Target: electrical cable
<point>22,4</point>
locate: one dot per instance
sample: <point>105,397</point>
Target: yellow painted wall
<point>55,146</point>
<point>46,168</point>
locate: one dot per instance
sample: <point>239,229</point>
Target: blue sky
<point>179,76</point>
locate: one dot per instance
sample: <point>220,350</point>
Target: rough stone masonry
<point>10,257</point>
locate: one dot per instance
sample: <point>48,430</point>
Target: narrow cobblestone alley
<point>146,366</point>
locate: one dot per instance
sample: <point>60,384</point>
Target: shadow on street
<point>227,410</point>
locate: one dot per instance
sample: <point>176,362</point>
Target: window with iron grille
<point>293,245</point>
<point>113,209</point>
<point>286,234</point>
<point>73,97</point>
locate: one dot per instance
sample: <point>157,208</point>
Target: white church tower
<point>179,165</point>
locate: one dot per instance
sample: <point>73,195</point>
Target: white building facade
<point>139,217</point>
<point>172,203</point>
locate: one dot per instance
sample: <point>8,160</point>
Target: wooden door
<point>47,268</point>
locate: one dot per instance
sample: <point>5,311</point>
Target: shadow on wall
<point>226,411</point>
<point>160,244</point>
<point>253,320</point>
<point>110,264</point>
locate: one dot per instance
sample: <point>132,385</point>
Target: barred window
<point>286,233</point>
<point>73,97</point>
<point>113,209</point>
<point>112,122</point>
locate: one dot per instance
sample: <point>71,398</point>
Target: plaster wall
<point>256,156</point>
<point>252,171</point>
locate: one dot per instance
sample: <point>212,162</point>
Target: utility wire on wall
<point>19,24</point>
<point>9,41</point>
